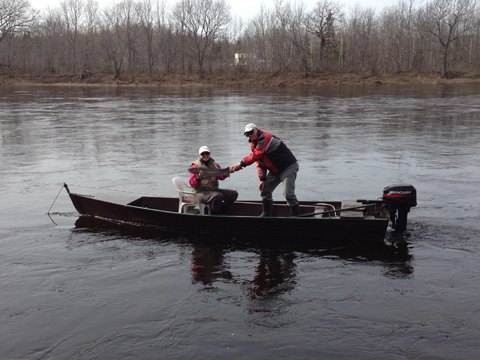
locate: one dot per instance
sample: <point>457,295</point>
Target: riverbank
<point>245,79</point>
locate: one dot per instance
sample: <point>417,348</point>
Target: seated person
<point>218,200</point>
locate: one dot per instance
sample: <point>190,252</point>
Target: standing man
<point>219,200</point>
<point>271,155</point>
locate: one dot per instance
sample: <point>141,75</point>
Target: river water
<point>71,290</point>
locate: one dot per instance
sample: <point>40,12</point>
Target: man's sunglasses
<point>205,153</point>
<point>247,134</point>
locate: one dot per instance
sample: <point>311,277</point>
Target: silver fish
<point>207,172</point>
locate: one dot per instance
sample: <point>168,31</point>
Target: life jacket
<point>209,183</point>
<point>270,153</point>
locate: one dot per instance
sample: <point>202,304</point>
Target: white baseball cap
<point>203,149</point>
<point>249,127</point>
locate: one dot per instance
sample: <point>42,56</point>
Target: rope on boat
<point>48,212</point>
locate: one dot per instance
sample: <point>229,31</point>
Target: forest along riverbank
<point>244,79</point>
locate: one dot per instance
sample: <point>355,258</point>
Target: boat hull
<point>243,221</point>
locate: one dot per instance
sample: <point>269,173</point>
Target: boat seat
<point>188,201</point>
<point>321,208</point>
<point>358,213</point>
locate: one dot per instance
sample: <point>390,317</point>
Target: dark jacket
<point>270,153</point>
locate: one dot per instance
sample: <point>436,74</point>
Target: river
<point>72,290</point>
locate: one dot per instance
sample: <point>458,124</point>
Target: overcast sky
<point>244,8</point>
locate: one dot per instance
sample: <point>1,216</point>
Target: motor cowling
<point>399,199</point>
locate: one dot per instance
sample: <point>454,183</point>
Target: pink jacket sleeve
<point>193,179</point>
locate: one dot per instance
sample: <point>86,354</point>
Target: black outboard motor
<point>399,199</point>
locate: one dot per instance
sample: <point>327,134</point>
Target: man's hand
<point>261,185</point>
<point>235,167</point>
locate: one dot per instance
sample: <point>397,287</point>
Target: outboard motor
<point>399,199</point>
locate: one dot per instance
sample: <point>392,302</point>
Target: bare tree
<point>15,16</point>
<point>203,21</point>
<point>51,42</point>
<point>282,55</point>
<point>73,13</point>
<point>447,20</point>
<point>119,36</point>
<point>261,26</point>
<point>165,42</point>
<point>89,33</point>
<point>397,36</point>
<point>322,23</point>
<point>295,19</point>
<point>471,43</point>
<point>113,41</point>
<point>360,40</point>
<point>129,26</point>
<point>147,18</point>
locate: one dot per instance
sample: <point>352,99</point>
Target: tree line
<point>149,38</point>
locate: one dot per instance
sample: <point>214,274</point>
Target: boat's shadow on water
<point>275,265</point>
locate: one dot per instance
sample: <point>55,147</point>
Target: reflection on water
<point>272,266</point>
<point>271,271</point>
<point>274,271</point>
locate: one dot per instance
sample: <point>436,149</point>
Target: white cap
<point>203,149</point>
<point>249,127</point>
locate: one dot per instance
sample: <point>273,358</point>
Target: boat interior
<point>329,209</point>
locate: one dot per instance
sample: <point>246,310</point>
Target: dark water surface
<point>71,290</point>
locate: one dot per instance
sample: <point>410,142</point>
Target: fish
<point>207,172</point>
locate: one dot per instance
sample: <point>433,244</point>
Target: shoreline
<point>242,80</point>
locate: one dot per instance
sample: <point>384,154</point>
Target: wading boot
<point>267,207</point>
<point>294,210</point>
